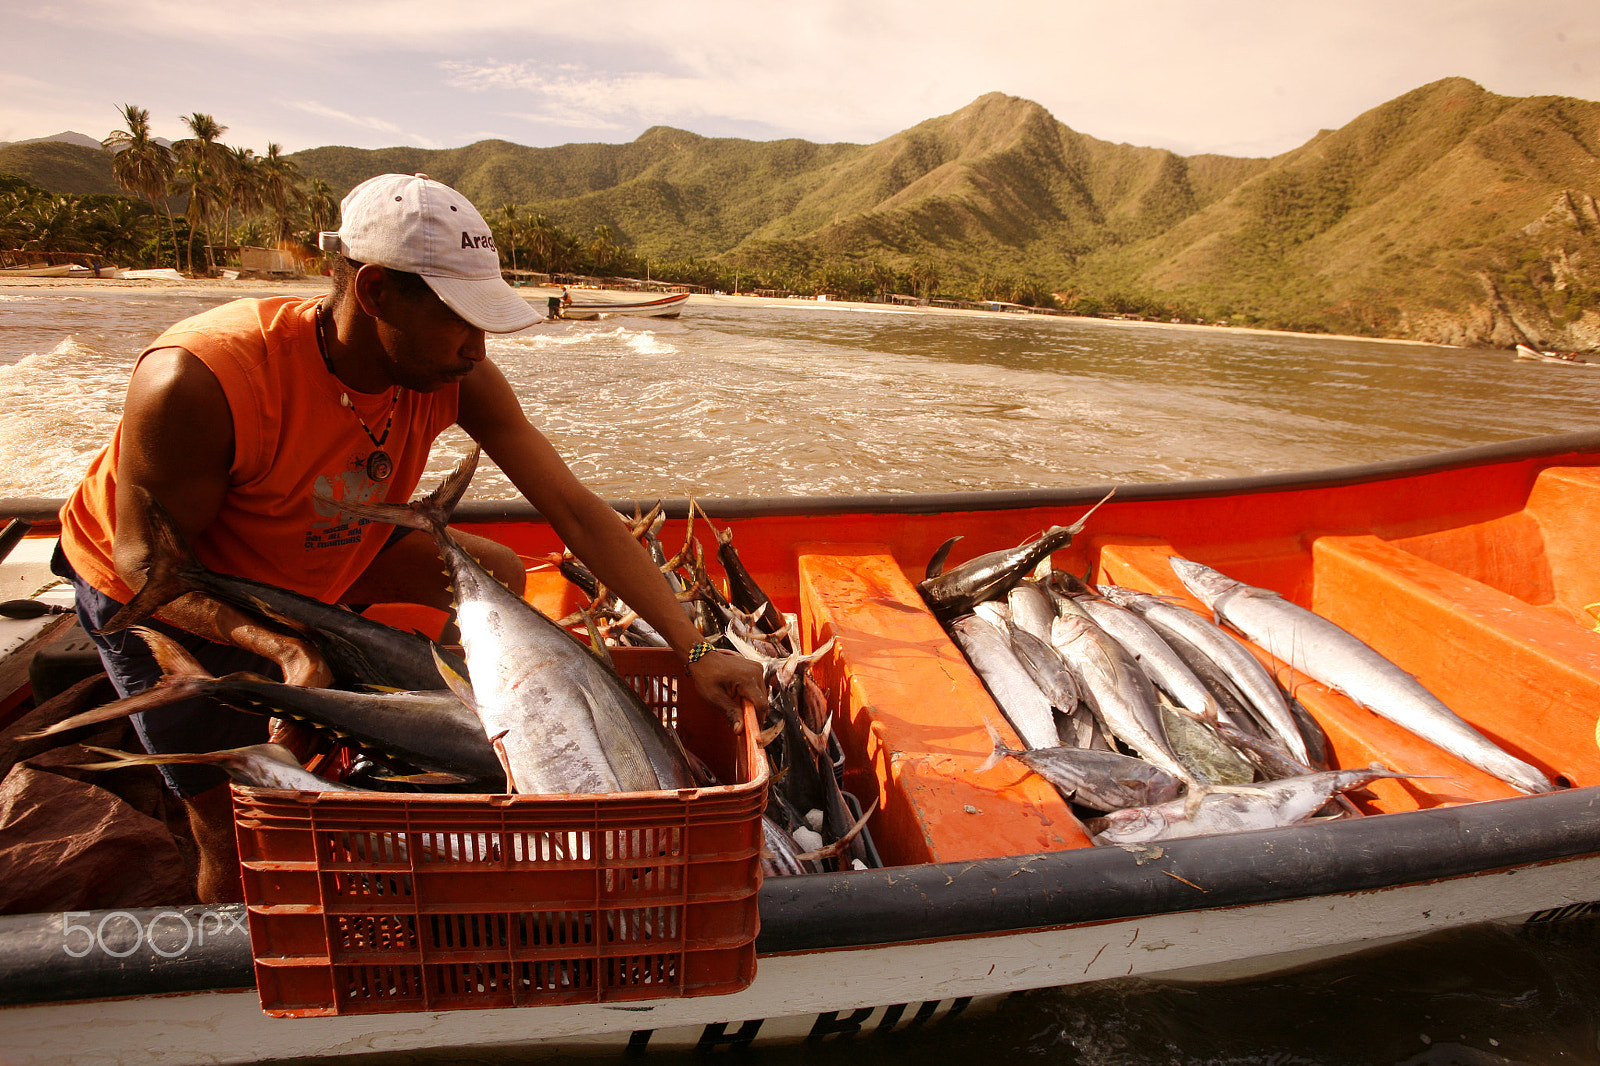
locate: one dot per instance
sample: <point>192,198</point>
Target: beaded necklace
<point>379,464</point>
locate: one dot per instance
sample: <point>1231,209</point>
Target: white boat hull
<point>811,994</point>
<point>667,307</point>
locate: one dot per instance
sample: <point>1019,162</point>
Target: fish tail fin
<point>1078,526</point>
<point>396,514</point>
<point>441,502</point>
<point>1000,749</point>
<point>174,659</point>
<point>166,691</point>
<point>838,847</point>
<point>597,643</point>
<point>431,513</point>
<point>935,565</point>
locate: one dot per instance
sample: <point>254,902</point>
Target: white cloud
<point>362,122</point>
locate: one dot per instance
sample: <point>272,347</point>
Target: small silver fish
<point>1243,668</point>
<point>1328,653</point>
<point>1100,780</point>
<point>988,649</point>
<point>1277,803</point>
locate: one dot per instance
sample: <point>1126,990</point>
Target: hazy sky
<point>1238,77</point>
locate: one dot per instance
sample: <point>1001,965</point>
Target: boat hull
<point>666,307</point>
<point>801,995</point>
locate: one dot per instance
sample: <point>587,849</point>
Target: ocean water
<point>796,398</point>
<point>739,399</point>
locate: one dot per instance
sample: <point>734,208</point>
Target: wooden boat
<point>1565,358</point>
<point>1473,570</point>
<point>666,307</point>
<point>38,270</point>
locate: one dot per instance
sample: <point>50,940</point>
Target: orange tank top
<point>293,440</point>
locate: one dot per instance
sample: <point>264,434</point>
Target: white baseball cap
<point>412,223</point>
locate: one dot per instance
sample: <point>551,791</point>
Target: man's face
<point>426,345</point>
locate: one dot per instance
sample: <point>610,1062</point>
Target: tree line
<point>195,202</point>
<point>192,203</point>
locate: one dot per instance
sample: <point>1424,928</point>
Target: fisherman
<point>237,419</point>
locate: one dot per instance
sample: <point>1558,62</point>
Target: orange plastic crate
<point>366,903</point>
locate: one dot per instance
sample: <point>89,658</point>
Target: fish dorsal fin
<point>936,564</point>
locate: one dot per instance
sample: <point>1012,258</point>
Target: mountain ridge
<point>1448,214</point>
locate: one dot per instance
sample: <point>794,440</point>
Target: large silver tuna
<point>1160,662</point>
<point>561,720</point>
<point>1323,651</point>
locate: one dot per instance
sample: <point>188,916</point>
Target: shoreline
<point>536,295</point>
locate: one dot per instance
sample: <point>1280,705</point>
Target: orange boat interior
<point>1477,580</point>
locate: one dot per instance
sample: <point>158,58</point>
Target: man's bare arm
<point>177,444</point>
<point>491,414</point>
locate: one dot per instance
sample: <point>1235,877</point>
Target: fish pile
<point>1156,722</point>
<point>526,707</point>
<point>811,824</point>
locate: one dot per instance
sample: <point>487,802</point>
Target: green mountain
<point>60,166</point>
<point>1449,214</point>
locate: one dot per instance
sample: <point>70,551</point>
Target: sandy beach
<point>311,286</point>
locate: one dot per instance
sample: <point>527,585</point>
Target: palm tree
<point>120,229</point>
<point>603,248</point>
<point>52,224</point>
<point>509,222</point>
<point>200,166</point>
<point>13,205</point>
<point>143,165</point>
<point>320,203</point>
<point>239,185</point>
<point>541,238</point>
<point>277,185</point>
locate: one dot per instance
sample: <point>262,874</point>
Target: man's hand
<point>724,678</point>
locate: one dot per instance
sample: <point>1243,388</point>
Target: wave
<point>620,339</point>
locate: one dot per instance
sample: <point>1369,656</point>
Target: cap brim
<point>488,303</point>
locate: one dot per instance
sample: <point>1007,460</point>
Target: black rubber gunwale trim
<point>37,509</point>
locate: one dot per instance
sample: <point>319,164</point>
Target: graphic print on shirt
<point>352,484</point>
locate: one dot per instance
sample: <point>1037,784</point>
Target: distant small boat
<point>665,307</point>
<point>155,274</point>
<point>42,270</point>
<point>1567,358</point>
